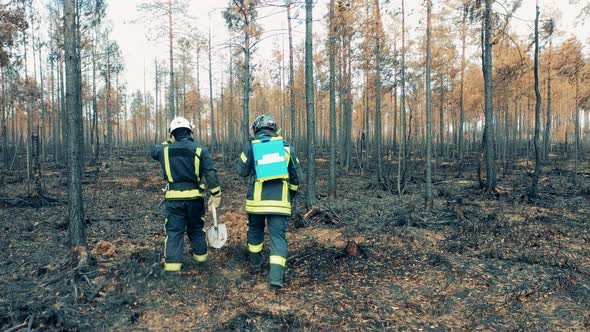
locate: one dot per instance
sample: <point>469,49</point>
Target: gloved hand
<point>214,201</point>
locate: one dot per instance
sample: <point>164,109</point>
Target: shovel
<point>217,234</point>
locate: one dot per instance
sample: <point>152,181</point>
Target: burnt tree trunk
<point>74,132</point>
<point>537,140</point>
<point>489,144</point>
<point>309,101</point>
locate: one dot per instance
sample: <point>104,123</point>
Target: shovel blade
<point>217,238</point>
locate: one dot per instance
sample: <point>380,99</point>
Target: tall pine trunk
<point>462,89</point>
<point>171,42</point>
<point>441,117</point>
<point>537,140</point>
<point>5,157</point>
<point>347,65</point>
<point>577,129</point>
<point>489,145</point>
<point>95,137</point>
<point>332,45</point>
<point>378,143</point>
<point>428,196</point>
<point>246,75</point>
<point>108,102</point>
<point>309,101</point>
<point>403,152</point>
<point>74,133</point>
<point>547,136</point>
<point>213,135</point>
<point>199,95</point>
<point>291,76</point>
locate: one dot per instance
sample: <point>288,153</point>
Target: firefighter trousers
<point>277,228</point>
<point>184,215</point>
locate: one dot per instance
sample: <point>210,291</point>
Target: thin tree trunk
<point>54,111</point>
<point>291,75</point>
<point>403,152</point>
<point>462,97</point>
<point>43,139</point>
<point>4,127</point>
<point>213,138</point>
<point>126,122</point>
<point>332,45</point>
<point>117,135</point>
<point>246,74</point>
<point>378,143</point>
<point>156,110</point>
<point>577,131</point>
<point>490,153</point>
<point>535,182</point>
<point>547,138</point>
<point>95,141</point>
<point>231,93</point>
<point>394,99</point>
<point>108,101</point>
<point>441,118</point>
<point>199,103</point>
<point>171,42</point>
<point>309,101</point>
<point>144,132</point>
<point>29,116</point>
<point>428,197</point>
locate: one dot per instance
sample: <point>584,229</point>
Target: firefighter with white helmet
<point>187,166</point>
<point>274,170</point>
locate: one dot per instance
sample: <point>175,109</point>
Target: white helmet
<point>179,122</point>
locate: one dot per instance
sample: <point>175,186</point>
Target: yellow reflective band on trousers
<point>200,258</point>
<point>293,187</point>
<point>183,193</point>
<point>243,157</point>
<point>255,248</point>
<point>278,260</point>
<point>167,165</point>
<point>172,267</point>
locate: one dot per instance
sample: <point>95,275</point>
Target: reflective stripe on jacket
<point>184,165</point>
<point>271,196</point>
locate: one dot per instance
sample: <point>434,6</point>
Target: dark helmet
<point>264,121</point>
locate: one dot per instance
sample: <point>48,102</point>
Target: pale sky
<point>138,51</point>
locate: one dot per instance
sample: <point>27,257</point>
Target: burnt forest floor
<point>370,260</point>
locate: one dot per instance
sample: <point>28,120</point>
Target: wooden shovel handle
<point>214,213</point>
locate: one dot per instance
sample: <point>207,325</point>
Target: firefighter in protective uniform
<point>184,164</point>
<point>274,170</point>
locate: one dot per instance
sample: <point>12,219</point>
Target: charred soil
<point>370,260</point>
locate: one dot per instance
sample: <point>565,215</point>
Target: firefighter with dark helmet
<point>185,164</point>
<point>274,170</point>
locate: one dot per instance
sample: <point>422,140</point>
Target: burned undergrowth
<point>370,260</point>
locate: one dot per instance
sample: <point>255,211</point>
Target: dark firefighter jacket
<point>271,196</point>
<point>184,164</point>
